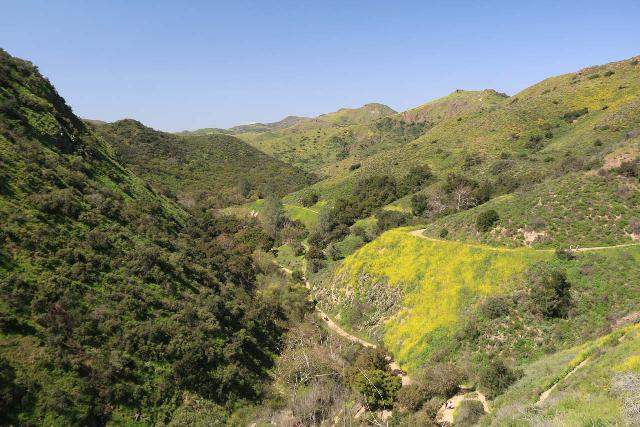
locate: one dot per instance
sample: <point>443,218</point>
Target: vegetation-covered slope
<point>217,169</point>
<point>314,144</point>
<point>562,124</point>
<point>596,383</point>
<point>415,289</point>
<point>115,304</point>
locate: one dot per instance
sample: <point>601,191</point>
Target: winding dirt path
<point>418,233</point>
<point>393,365</point>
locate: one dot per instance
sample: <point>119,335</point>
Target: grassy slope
<point>505,127</point>
<point>190,166</point>
<point>435,279</point>
<point>579,209</point>
<point>586,397</point>
<point>313,144</point>
<point>416,293</point>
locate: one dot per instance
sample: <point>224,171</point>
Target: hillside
<point>214,169</point>
<point>313,143</point>
<point>116,305</point>
<point>565,123</point>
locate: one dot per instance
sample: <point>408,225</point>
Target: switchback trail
<point>393,365</point>
<point>418,233</point>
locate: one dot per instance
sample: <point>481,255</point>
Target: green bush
<point>549,290</point>
<point>495,377</point>
<point>411,397</point>
<point>377,388</point>
<point>486,220</point>
<point>468,413</point>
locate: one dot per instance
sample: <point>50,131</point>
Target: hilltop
<point>312,143</point>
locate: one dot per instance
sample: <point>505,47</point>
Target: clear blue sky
<point>189,64</point>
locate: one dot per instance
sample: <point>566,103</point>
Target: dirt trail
<point>445,414</point>
<point>393,365</point>
<point>418,233</point>
<point>545,395</point>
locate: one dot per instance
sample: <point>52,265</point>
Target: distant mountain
<point>208,167</point>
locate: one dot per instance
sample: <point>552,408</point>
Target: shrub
<point>495,377</point>
<point>629,168</point>
<point>419,204</point>
<point>390,219</point>
<point>549,290</point>
<point>468,413</point>
<point>441,379</point>
<point>565,254</point>
<point>411,397</point>
<point>310,199</point>
<point>377,388</point>
<point>573,115</point>
<point>597,143</point>
<point>494,307</point>
<point>486,220</point>
<point>443,233</point>
<point>609,73</point>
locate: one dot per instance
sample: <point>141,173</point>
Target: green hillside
<point>603,390</point>
<point>315,144</point>
<point>215,169</point>
<point>116,305</point>
<point>562,124</point>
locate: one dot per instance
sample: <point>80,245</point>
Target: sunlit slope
<point>315,143</point>
<point>419,287</point>
<point>565,114</point>
<point>580,209</point>
<point>591,395</point>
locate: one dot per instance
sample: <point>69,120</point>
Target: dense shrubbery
<point>486,220</point>
<point>126,304</point>
<point>550,291</point>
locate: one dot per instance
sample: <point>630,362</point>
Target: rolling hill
<point>116,305</point>
<point>214,169</point>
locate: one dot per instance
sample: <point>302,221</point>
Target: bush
<point>495,377</point>
<point>419,204</point>
<point>629,168</point>
<point>390,219</point>
<point>573,115</point>
<point>550,290</point>
<point>494,307</point>
<point>441,379</point>
<point>443,233</point>
<point>486,220</point>
<point>411,397</point>
<point>377,388</point>
<point>310,199</point>
<point>468,413</point>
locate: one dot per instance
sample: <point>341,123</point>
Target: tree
<point>416,178</point>
<point>244,187</point>
<point>486,220</point>
<point>419,204</point>
<point>550,290</point>
<point>378,389</point>
<point>272,215</point>
<point>496,377</point>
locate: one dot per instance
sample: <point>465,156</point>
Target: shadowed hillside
<point>213,169</point>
